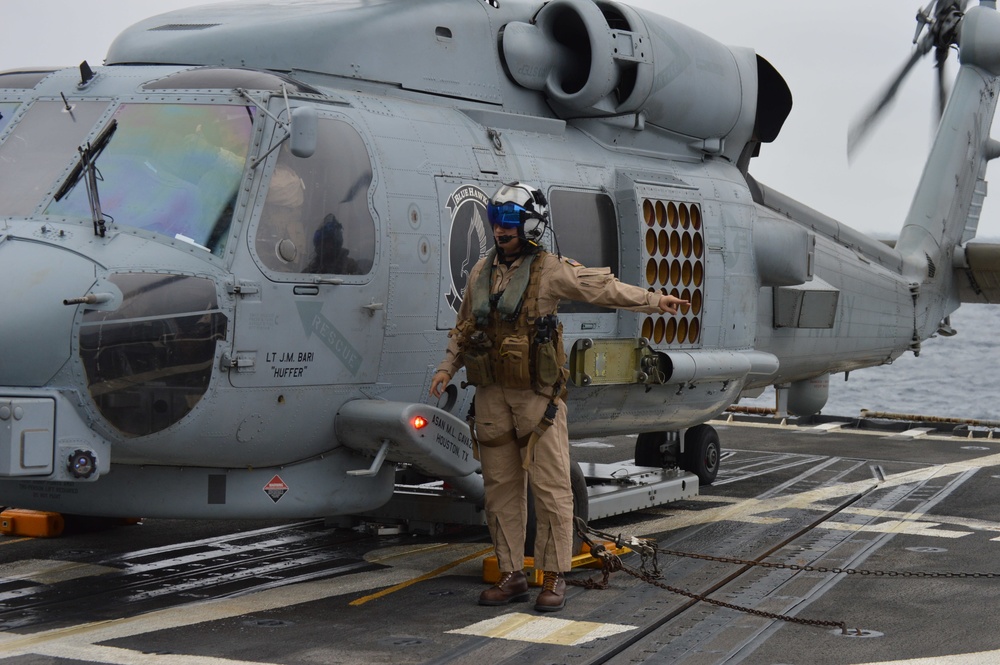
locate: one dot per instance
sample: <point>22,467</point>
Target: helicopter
<point>235,250</point>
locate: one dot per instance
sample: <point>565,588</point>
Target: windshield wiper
<point>87,167</point>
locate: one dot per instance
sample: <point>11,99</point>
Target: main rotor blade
<point>941,55</point>
<point>859,129</point>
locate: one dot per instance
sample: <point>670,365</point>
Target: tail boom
<point>944,211</point>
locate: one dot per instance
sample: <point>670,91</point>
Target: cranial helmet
<point>520,207</point>
<point>330,233</point>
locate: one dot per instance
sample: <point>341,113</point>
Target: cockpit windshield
<point>38,149</point>
<point>173,169</point>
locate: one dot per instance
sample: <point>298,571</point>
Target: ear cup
<point>539,198</point>
<point>534,228</point>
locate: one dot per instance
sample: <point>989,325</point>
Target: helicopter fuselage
<point>190,304</point>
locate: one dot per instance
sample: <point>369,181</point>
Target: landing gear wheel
<point>581,510</point>
<point>648,449</point>
<point>701,453</point>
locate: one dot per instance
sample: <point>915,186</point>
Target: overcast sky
<point>835,56</point>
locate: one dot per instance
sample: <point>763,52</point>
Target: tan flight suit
<point>500,410</point>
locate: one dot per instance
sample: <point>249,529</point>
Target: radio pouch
<point>514,363</point>
<point>479,368</point>
<point>549,367</point>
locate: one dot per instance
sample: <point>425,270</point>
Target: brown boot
<point>553,595</point>
<point>510,588</point>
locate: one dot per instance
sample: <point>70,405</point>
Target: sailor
<point>509,341</point>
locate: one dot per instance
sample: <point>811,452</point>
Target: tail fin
<point>945,209</point>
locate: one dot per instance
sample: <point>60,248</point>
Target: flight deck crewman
<point>510,343</point>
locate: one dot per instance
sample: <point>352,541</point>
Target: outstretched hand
<point>669,304</point>
<point>439,382</point>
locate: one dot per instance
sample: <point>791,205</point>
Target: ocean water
<point>955,377</point>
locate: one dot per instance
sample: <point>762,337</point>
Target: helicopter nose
<point>35,326</point>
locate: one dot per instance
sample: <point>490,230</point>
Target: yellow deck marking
<point>909,527</point>
<point>81,641</point>
<point>4,541</point>
<point>91,653</point>
<point>46,571</point>
<point>749,510</point>
<point>390,553</point>
<point>421,578</point>
<point>542,630</point>
<point>506,625</point>
<point>980,658</point>
<point>966,522</point>
<point>969,523</point>
<point>12,644</point>
<point>72,637</point>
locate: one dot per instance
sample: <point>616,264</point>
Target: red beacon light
<point>418,422</point>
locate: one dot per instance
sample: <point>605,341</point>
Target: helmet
<point>521,207</point>
<point>330,233</point>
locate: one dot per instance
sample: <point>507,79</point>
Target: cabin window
<point>172,169</point>
<point>7,110</point>
<point>38,149</point>
<point>316,218</point>
<point>586,228</point>
<point>149,362</point>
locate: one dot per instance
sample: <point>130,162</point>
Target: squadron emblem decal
<point>470,237</point>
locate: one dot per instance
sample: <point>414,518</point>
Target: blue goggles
<point>507,215</point>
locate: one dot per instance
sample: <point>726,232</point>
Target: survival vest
<point>507,340</point>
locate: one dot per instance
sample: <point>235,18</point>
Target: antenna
<point>86,73</point>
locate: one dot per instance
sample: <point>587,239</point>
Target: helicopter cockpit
<point>169,168</point>
<point>166,163</point>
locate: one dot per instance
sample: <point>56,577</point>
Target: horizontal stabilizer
<point>978,277</point>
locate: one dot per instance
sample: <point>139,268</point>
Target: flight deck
<point>833,542</point>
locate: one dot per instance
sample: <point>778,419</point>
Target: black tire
<point>647,449</point>
<point>702,453</point>
<point>581,510</point>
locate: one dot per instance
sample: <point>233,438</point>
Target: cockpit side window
<point>173,169</point>
<point>316,218</point>
<point>586,228</point>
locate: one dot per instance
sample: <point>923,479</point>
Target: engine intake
<point>604,58</point>
<point>594,58</point>
<point>568,53</point>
